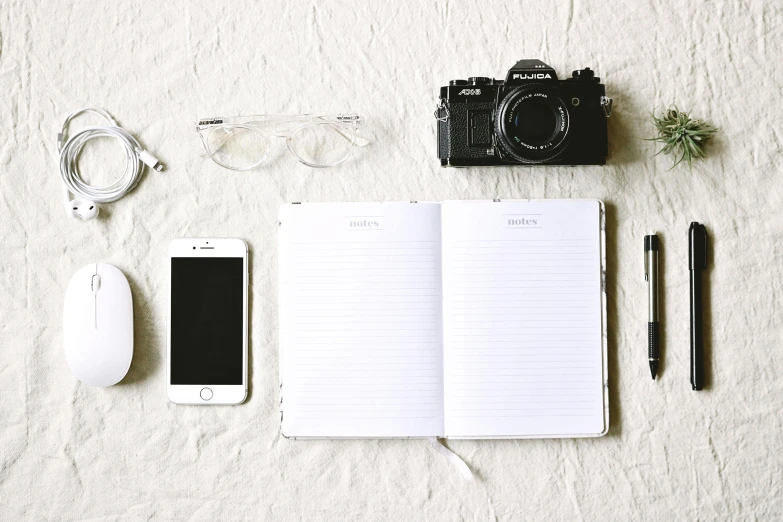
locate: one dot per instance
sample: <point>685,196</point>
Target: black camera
<point>531,118</point>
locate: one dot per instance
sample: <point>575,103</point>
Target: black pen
<point>697,262</point>
<point>651,276</point>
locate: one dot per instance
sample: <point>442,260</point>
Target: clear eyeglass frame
<point>336,134</point>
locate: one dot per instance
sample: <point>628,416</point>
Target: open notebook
<point>462,319</point>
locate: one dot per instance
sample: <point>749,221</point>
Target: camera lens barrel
<point>532,123</point>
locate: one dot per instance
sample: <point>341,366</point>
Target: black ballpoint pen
<point>697,262</point>
<point>651,276</point>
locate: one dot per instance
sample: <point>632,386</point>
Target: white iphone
<point>207,340</point>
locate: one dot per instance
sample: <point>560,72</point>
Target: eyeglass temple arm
<point>357,140</point>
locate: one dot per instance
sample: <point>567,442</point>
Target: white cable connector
<point>149,160</point>
<point>88,196</point>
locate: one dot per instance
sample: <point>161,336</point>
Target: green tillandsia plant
<point>682,137</point>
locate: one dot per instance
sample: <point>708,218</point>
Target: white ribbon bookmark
<point>463,468</point>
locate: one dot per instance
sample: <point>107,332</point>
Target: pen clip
<point>697,246</point>
<point>646,266</point>
<point>706,241</point>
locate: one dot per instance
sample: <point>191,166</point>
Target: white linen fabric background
<point>71,452</point>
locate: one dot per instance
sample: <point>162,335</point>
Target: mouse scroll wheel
<point>96,283</point>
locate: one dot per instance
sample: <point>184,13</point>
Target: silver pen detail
<point>651,277</point>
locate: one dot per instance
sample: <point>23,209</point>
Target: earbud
<point>85,210</point>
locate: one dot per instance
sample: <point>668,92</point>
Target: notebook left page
<point>360,320</point>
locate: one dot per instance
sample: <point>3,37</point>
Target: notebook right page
<point>523,319</point>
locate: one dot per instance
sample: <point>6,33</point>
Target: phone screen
<point>207,325</point>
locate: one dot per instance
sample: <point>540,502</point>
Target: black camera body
<point>531,118</point>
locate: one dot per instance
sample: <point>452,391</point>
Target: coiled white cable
<point>135,159</point>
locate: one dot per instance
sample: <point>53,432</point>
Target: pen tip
<point>653,368</point>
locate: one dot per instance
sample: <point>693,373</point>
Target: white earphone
<point>85,210</point>
<point>86,205</point>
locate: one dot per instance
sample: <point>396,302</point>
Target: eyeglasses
<point>243,142</point>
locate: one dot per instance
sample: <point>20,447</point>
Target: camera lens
<point>534,121</point>
<point>532,124</point>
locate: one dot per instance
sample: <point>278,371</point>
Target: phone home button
<point>206,394</point>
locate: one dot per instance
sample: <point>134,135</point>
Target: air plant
<point>682,137</point>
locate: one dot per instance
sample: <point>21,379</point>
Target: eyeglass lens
<point>322,144</point>
<point>237,147</point>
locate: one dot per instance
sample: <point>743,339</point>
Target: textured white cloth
<point>70,452</point>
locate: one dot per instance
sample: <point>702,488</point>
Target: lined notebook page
<point>523,351</point>
<point>360,305</point>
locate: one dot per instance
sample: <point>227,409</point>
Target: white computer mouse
<point>98,325</point>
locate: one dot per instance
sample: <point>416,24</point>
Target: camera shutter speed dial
<point>584,75</point>
<point>479,80</point>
